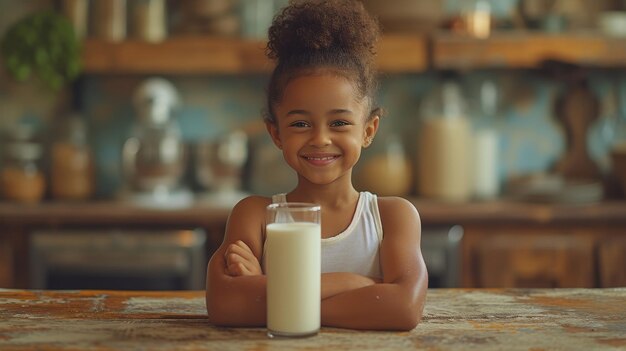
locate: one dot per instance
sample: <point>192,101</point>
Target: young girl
<point>320,115</point>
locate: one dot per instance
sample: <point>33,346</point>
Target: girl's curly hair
<point>338,35</point>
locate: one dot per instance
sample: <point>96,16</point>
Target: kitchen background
<point>530,139</point>
<point>514,114</point>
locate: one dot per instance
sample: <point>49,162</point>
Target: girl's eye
<point>299,124</point>
<point>339,123</point>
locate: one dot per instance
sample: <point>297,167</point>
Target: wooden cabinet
<point>518,258</point>
<point>521,244</point>
<point>19,222</point>
<point>6,262</point>
<point>612,261</point>
<point>527,256</point>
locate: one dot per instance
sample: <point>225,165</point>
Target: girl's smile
<point>320,159</point>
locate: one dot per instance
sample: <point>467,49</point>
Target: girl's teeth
<point>320,158</point>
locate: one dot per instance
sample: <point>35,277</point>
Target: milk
<point>293,269</point>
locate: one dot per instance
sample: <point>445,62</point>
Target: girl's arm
<point>238,300</point>
<point>397,303</point>
<point>236,286</point>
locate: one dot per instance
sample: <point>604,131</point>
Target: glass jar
<point>387,170</point>
<point>444,146</point>
<point>477,16</point>
<point>76,12</point>
<point>72,173</point>
<point>149,20</point>
<point>109,19</point>
<point>22,179</point>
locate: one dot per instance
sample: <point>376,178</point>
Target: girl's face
<point>321,127</point>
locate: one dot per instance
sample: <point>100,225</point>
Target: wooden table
<point>571,319</point>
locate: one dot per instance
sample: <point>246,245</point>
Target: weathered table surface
<point>568,319</point>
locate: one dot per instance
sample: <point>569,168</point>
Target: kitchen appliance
<point>118,259</point>
<point>219,168</point>
<point>154,158</point>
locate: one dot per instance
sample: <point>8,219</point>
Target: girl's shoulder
<point>253,203</point>
<point>393,208</point>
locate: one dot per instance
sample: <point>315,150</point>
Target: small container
<point>109,19</point>
<point>149,21</point>
<point>477,17</point>
<point>22,179</point>
<point>388,171</point>
<point>72,174</point>
<point>76,12</point>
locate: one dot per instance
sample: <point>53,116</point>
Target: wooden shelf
<point>526,50</point>
<point>202,55</point>
<point>397,53</point>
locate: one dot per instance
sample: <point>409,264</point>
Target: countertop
<point>206,214</point>
<point>569,319</point>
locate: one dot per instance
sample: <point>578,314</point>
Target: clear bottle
<point>72,174</point>
<point>486,140</point>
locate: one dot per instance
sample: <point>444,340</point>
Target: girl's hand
<point>240,261</point>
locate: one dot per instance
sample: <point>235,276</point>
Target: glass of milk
<point>293,268</point>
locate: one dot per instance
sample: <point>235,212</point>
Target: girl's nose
<point>320,137</point>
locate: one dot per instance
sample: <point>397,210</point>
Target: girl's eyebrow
<point>298,112</point>
<point>340,111</point>
<point>337,111</point>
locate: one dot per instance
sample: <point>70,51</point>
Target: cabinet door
<point>612,259</point>
<point>535,260</point>
<point>6,263</point>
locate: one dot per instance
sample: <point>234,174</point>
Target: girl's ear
<point>272,129</point>
<point>371,127</point>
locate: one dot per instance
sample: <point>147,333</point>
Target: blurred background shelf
<point>220,55</point>
<point>526,50</point>
<point>397,53</point>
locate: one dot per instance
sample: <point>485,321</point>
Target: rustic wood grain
<point>222,55</point>
<point>571,319</point>
<point>526,50</point>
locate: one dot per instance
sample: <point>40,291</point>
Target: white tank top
<point>356,249</point>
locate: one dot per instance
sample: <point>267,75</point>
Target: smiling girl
<point>320,113</point>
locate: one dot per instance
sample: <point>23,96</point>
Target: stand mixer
<point>154,157</point>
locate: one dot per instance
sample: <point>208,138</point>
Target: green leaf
<point>42,43</point>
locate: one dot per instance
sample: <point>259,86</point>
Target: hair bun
<point>321,26</point>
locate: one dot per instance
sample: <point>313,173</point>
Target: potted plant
<point>43,45</point>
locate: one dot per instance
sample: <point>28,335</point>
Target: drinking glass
<point>293,269</point>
